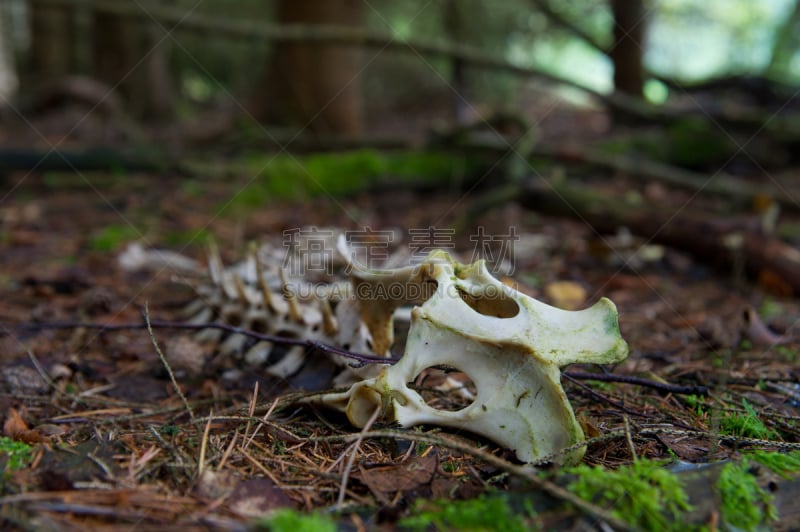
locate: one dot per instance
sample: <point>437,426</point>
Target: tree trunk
<point>129,57</point>
<point>456,30</point>
<point>315,85</point>
<point>626,53</point>
<point>52,37</point>
<point>8,72</point>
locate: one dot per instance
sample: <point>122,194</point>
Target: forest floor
<point>112,444</point>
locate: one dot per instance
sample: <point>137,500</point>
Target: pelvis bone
<point>510,345</point>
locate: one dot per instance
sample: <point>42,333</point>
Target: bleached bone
<point>510,345</point>
<point>257,295</point>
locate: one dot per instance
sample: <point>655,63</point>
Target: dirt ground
<point>116,446</point>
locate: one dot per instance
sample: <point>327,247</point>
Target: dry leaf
<point>14,424</point>
<point>16,429</point>
<point>567,295</point>
<point>387,480</point>
<point>256,497</point>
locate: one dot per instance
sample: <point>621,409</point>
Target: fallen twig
<point>528,473</point>
<point>166,363</point>
<point>640,381</point>
<point>360,358</point>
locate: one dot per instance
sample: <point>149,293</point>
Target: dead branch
<point>560,20</point>
<point>719,183</point>
<point>526,472</point>
<point>166,363</point>
<point>719,242</point>
<point>639,381</point>
<point>360,359</point>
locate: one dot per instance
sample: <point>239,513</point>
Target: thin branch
<point>560,20</point>
<point>639,381</point>
<point>603,397</point>
<point>528,473</point>
<point>360,359</point>
<point>166,364</point>
<point>351,459</point>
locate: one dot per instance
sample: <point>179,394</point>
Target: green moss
<point>487,512</point>
<point>13,455</point>
<point>770,308</point>
<point>745,345</point>
<point>192,188</point>
<point>287,520</point>
<point>789,354</point>
<point>602,386</point>
<point>696,403</point>
<point>643,494</point>
<point>176,239</point>
<point>746,424</point>
<point>744,503</point>
<point>112,237</point>
<point>288,177</point>
<point>781,463</point>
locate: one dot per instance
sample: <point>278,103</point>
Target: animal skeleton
<point>509,344</point>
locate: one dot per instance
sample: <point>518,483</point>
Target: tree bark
<point>627,51</point>
<point>8,71</point>
<point>52,37</point>
<point>314,85</point>
<point>128,56</point>
<point>456,31</point>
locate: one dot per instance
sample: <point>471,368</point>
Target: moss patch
<point>780,463</point>
<point>288,520</point>
<point>745,504</point>
<point>13,455</point>
<point>746,424</point>
<point>482,513</point>
<point>112,237</point>
<point>284,177</point>
<point>643,494</point>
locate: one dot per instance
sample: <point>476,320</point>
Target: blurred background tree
<point>174,58</point>
<point>318,86</point>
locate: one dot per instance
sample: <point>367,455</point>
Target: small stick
<point>602,397</point>
<point>251,407</point>
<point>349,466</point>
<point>630,379</point>
<point>166,364</point>
<point>201,463</point>
<point>360,360</point>
<point>526,472</point>
<point>629,438</point>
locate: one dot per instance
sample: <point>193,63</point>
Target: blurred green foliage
<point>288,177</point>
<point>288,520</point>
<point>111,237</point>
<point>745,505</point>
<point>746,424</point>
<point>13,455</point>
<point>644,494</point>
<point>483,513</point>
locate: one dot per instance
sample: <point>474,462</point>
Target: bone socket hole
<point>445,388</point>
<point>496,304</point>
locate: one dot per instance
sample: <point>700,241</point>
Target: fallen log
<point>725,243</point>
<point>719,183</point>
